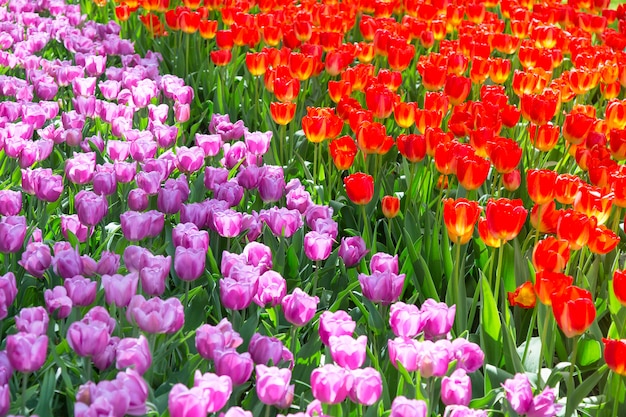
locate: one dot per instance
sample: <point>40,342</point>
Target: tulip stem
<point>366,232</point>
<point>24,388</point>
<point>187,285</point>
<point>533,320</point>
<point>498,274</point>
<point>87,368</point>
<point>292,342</point>
<point>268,409</point>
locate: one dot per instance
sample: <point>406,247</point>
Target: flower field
<point>339,208</point>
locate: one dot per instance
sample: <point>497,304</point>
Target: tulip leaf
<point>46,394</point>
<point>485,402</point>
<point>511,356</point>
<point>292,265</point>
<point>584,389</point>
<point>490,327</point>
<point>425,285</point>
<point>589,351</point>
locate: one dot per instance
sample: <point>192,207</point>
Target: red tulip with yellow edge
<point>523,296</point>
<point>460,217</point>
<point>540,184</point>
<point>602,240</point>
<point>548,283</point>
<point>390,206</point>
<point>575,227</point>
<point>343,151</point>
<point>282,113</point>
<point>544,137</point>
<point>566,187</point>
<point>486,236</point>
<point>545,217</point>
<point>505,218</point>
<point>472,171</point>
<point>573,310</point>
<point>593,202</point>
<point>551,254</point>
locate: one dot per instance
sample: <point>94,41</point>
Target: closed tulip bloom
<point>189,263</point>
<point>551,254</point>
<point>237,412</point>
<point>615,355</point>
<point>136,226</point>
<point>227,223</point>
<point>351,250</point>
<point>403,351</point>
<point>220,337</point>
<point>456,389</point>
<point>210,144</point>
<point>156,315</point>
<point>10,202</point>
<point>137,387</point>
<point>390,206</point>
<point>299,307</point>
<point>438,318</point>
<point>154,273</point>
<point>382,287</point>
<point>8,292</point>
<point>359,188</point>
<point>216,388</point>
<point>185,402</point>
<point>384,262</point>
<point>331,384</point>
<point>36,259</point>
<point>317,246</point>
<point>404,407</point>
<point>505,218</point>
<point>272,384</point>
<point>238,366</point>
<point>57,302</point>
<point>463,411</point>
<point>460,217</point>
<point>32,320</point>
<point>81,290</point>
<point>575,227</point>
<point>135,353</point>
<point>264,349</point>
<point>433,358</point>
<point>169,200</point>
<point>573,310</point>
<point>119,289</point>
<point>48,187</point>
<point>405,320</point>
<point>106,358</point>
<point>190,159</point>
<point>71,223</point>
<point>348,352</point>
<point>108,264</point>
<point>67,262</point>
<point>282,221</point>
<point>87,339</point>
<point>541,184</point>
<point>272,289</point>
<point>134,257</point>
<point>271,184</point>
<point>80,169</point>
<point>338,323</point>
<point>258,143</point>
<point>238,295</point>
<point>469,356</point>
<point>367,386</point>
<point>12,233</point>
<point>27,352</point>
<point>125,172</point>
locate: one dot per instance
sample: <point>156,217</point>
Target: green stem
<point>187,285</point>
<point>458,291</point>
<point>366,227</point>
<point>533,319</point>
<point>87,368</point>
<point>292,341</point>
<point>499,273</point>
<point>24,388</point>
<point>268,409</point>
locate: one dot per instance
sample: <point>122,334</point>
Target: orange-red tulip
<point>523,296</point>
<point>460,217</point>
<point>573,310</point>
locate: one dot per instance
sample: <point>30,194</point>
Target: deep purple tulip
<point>106,358</point>
<point>108,264</point>
<point>271,183</point>
<point>231,192</point>
<point>104,182</point>
<point>138,199</point>
<point>169,200</point>
<point>91,207</point>
<point>264,349</point>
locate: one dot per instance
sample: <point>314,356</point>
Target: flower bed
<point>312,209</point>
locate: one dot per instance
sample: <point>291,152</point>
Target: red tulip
<point>505,218</point>
<point>390,206</point>
<point>615,355</point>
<point>573,310</point>
<point>524,296</point>
<point>460,217</point>
<point>359,187</point>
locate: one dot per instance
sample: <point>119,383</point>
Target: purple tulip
<point>169,200</point>
<point>272,384</point>
<point>236,412</point>
<point>338,323</point>
<point>119,289</point>
<point>264,349</point>
<point>383,262</point>
<point>299,199</point>
<point>71,223</point>
<point>91,207</point>
<point>134,257</point>
<point>165,135</point>
<point>438,318</point>
<point>87,339</point>
<point>80,169</point>
<point>10,202</point>
<point>234,154</point>
<point>149,182</point>
<point>382,287</point>
<point>67,262</point>
<point>456,389</point>
<point>135,225</point>
<point>258,143</point>
<point>82,291</point>
<point>248,176</point>
<point>5,399</point>
<point>231,192</point>
<point>327,227</point>
<point>58,302</point>
<point>272,289</point>
<point>109,89</point>
<point>271,183</point>
<point>282,221</point>
<point>348,352</point>
<point>331,384</point>
<point>404,407</point>
<point>519,393</point>
<point>125,172</point>
<point>214,177</point>
<point>316,212</point>
<point>469,356</point>
<point>154,273</point>
<point>433,358</point>
<point>185,402</point>
<point>134,353</point>
<point>211,338</point>
<point>238,366</point>
<point>238,295</point>
<point>317,246</point>
<point>32,320</point>
<point>216,388</point>
<point>367,386</point>
<point>189,263</point>
<point>106,358</point>
<point>188,236</point>
<point>463,411</point>
<point>138,199</point>
<point>137,388</point>
<point>190,159</point>
<point>221,125</point>
<point>210,144</point>
<point>405,320</point>
<point>12,233</point>
<point>104,182</point>
<point>258,255</point>
<point>403,351</point>
<point>36,259</point>
<point>142,149</point>
<point>156,315</point>
<point>108,264</point>
<point>544,405</point>
<point>299,307</point>
<point>100,314</point>
<point>27,352</point>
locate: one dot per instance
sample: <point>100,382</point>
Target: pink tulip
<point>338,323</point>
<point>272,384</point>
<point>317,246</point>
<point>331,384</point>
<point>238,366</point>
<point>27,352</point>
<point>12,233</point>
<point>36,259</point>
<point>456,389</point>
<point>216,388</point>
<point>367,386</point>
<point>155,315</point>
<point>32,320</point>
<point>71,223</point>
<point>87,339</point>
<point>58,302</point>
<point>189,263</point>
<point>134,353</point>
<point>405,320</point>
<point>348,352</point>
<point>220,337</point>
<point>119,289</point>
<point>264,349</point>
<point>185,402</point>
<point>82,291</point>
<point>10,202</point>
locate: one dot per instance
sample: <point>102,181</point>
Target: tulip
<point>317,246</point>
<point>156,315</point>
<point>352,250</point>
<point>119,289</point>
<point>211,338</point>
<point>456,389</point>
<point>519,393</point>
<point>105,359</point>
<point>433,358</point>
<point>87,339</point>
<point>32,320</point>
<point>438,318</point>
<point>58,302</point>
<point>331,384</point>
<point>10,202</point>
<point>272,289</point>
<point>615,355</point>
<point>404,407</point>
<point>185,402</point>
<point>382,287</point>
<point>299,308</point>
<point>189,263</point>
<point>359,187</point>
<point>137,388</point>
<point>216,388</point>
<point>237,412</point>
<point>272,384</point>
<point>71,223</point>
<point>81,290</point>
<point>271,184</point>
<point>282,221</point>
<point>347,352</point>
<point>460,217</point>
<point>390,206</point>
<point>524,296</point>
<point>12,233</point>
<point>134,353</point>
<point>299,199</point>
<point>6,370</point>
<point>108,264</point>
<point>367,386</point>
<point>573,310</point>
<point>505,218</point>
<point>383,262</point>
<point>27,352</point>
<point>469,356</point>
<point>405,320</point>
<point>403,351</point>
<point>551,254</point>
<point>238,366</point>
<point>8,292</point>
<point>238,294</point>
<point>264,349</point>
<point>227,223</point>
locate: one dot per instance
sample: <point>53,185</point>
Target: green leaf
<point>584,389</point>
<point>589,351</point>
<point>490,326</point>
<point>422,273</point>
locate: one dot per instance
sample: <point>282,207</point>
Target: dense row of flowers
<point>163,259</point>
